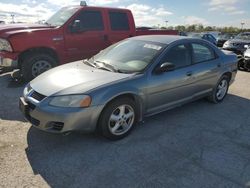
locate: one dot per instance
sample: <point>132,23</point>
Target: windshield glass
<point>60,17</point>
<point>195,35</point>
<point>129,56</point>
<point>243,36</point>
<point>226,36</point>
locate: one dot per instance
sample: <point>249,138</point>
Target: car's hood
<point>10,29</point>
<point>73,78</point>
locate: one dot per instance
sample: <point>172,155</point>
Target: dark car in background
<point>238,44</point>
<point>223,38</point>
<point>244,62</point>
<point>206,36</point>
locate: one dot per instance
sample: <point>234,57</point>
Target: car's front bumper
<point>61,120</point>
<point>8,59</point>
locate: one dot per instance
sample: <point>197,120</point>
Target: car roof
<point>164,39</point>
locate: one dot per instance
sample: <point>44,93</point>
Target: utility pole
<point>166,23</point>
<point>242,25</point>
<point>12,17</point>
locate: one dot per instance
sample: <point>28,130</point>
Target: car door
<point>206,67</point>
<point>91,38</point>
<point>171,88</point>
<point>120,25</point>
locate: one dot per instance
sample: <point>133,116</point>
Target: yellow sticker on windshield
<point>152,46</point>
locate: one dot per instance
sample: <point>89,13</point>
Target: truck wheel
<point>118,119</point>
<point>36,64</point>
<point>220,91</point>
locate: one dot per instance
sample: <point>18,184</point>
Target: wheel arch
<point>37,50</point>
<point>135,97</point>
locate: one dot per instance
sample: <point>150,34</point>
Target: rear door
<point>206,67</point>
<point>121,25</point>
<point>91,38</point>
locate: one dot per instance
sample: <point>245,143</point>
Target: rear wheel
<point>118,118</point>
<point>220,91</point>
<point>34,65</point>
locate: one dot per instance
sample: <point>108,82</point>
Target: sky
<point>146,12</point>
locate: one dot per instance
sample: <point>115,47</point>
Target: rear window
<point>119,21</point>
<point>202,53</point>
<point>91,21</point>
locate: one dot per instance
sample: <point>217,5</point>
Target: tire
<point>35,64</point>
<point>118,118</point>
<point>220,90</point>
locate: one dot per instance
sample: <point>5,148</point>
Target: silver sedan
<point>126,82</point>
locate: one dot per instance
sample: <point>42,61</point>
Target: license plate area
<point>23,106</point>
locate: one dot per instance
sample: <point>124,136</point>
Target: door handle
<point>218,65</point>
<point>189,73</point>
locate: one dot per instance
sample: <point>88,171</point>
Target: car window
<point>202,53</point>
<point>91,21</point>
<point>119,21</point>
<point>179,56</point>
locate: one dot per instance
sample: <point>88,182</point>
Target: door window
<point>179,56</point>
<point>119,21</point>
<point>202,53</point>
<point>91,21</point>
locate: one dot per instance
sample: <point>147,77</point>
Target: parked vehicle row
<point>126,82</point>
<point>239,44</point>
<point>206,36</point>
<point>222,38</point>
<point>73,33</point>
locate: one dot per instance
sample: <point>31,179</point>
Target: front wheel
<point>118,118</point>
<point>36,64</point>
<point>220,91</point>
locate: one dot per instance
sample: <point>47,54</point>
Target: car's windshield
<point>195,35</point>
<point>243,36</point>
<point>226,36</point>
<point>129,56</point>
<point>60,17</point>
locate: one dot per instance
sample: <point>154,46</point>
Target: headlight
<point>26,90</point>
<point>71,101</point>
<point>5,45</point>
<point>226,44</point>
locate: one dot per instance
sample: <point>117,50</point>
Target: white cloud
<point>146,15</point>
<point>190,20</point>
<point>25,12</point>
<point>63,3</point>
<point>225,7</point>
<point>103,2</point>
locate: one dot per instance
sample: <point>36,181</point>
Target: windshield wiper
<point>86,62</point>
<point>106,66</point>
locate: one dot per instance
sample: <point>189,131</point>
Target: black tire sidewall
<point>215,99</point>
<point>30,60</point>
<point>105,115</point>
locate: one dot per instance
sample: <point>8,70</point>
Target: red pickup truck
<point>73,33</point>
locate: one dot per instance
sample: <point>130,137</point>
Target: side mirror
<point>165,67</point>
<point>76,26</point>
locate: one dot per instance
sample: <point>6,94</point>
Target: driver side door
<point>90,39</point>
<point>171,88</point>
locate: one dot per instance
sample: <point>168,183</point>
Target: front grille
<point>31,106</point>
<point>37,96</point>
<point>58,126</point>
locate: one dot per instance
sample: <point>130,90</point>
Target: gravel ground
<point>196,145</point>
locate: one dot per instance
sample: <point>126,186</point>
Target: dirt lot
<point>197,145</point>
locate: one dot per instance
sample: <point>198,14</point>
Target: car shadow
<point>156,148</point>
<point>10,91</point>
